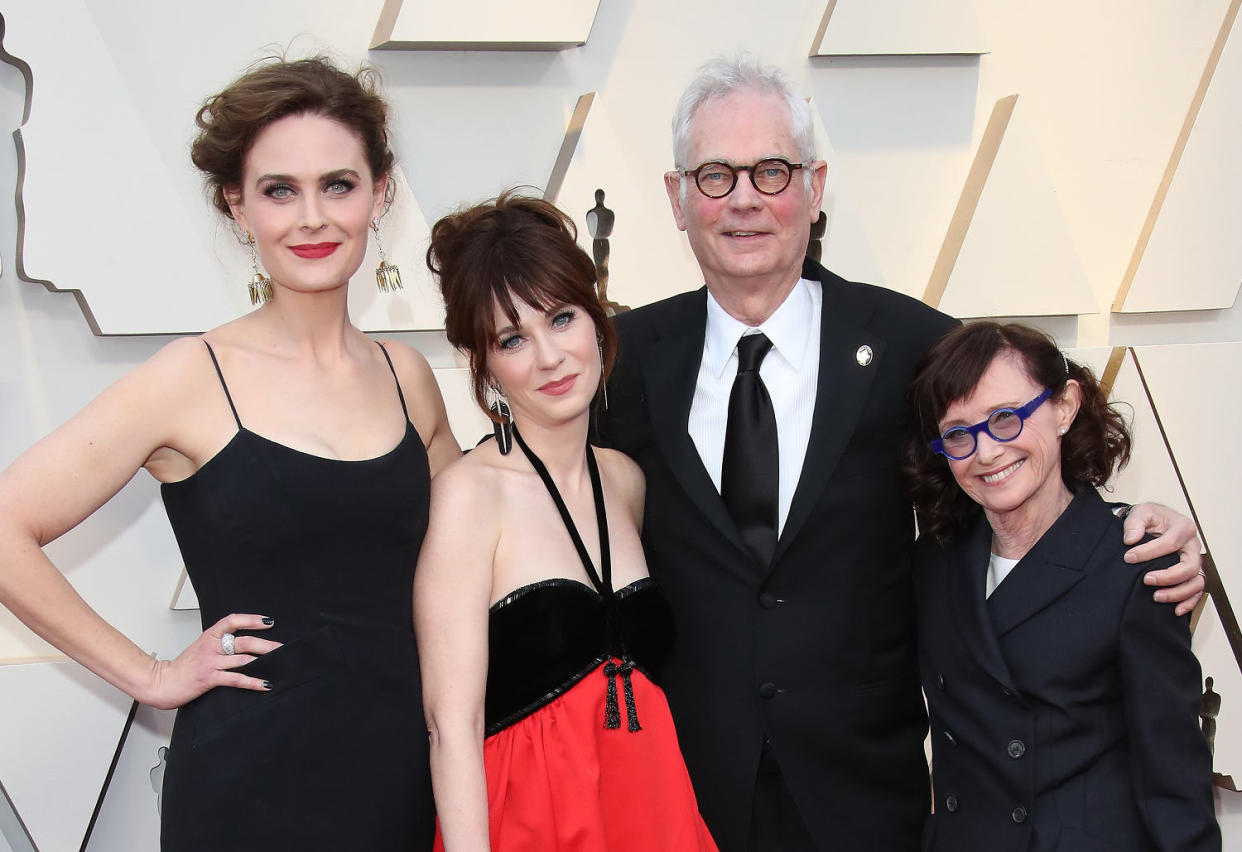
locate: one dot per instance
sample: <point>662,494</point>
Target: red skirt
<point>559,780</point>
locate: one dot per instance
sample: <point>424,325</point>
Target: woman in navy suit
<point>1063,699</point>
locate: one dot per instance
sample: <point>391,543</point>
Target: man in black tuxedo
<point>794,683</point>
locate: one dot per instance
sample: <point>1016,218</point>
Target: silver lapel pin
<point>863,355</point>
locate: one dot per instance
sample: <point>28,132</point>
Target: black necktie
<point>750,472</point>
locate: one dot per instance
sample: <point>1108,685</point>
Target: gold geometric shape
<point>184,597</point>
<point>846,242</point>
<point>484,25</point>
<point>1008,250</point>
<point>1182,407</point>
<point>1188,255</point>
<point>898,28</point>
<point>648,257</point>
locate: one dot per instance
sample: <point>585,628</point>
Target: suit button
<point>940,682</point>
<point>1017,748</point>
<point>949,736</point>
<point>950,803</point>
<point>1007,692</point>
<point>1019,814</point>
<point>767,600</point>
<point>767,690</point>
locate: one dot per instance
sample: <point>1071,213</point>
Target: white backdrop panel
<point>1193,259</point>
<point>886,27</point>
<point>58,732</point>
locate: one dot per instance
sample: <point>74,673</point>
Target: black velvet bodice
<point>545,636</point>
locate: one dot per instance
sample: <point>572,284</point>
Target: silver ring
<point>228,645</point>
<point>1202,573</point>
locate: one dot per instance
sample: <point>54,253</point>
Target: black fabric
<point>775,824</point>
<point>750,472</point>
<point>542,638</point>
<point>335,756</point>
<point>1064,708</point>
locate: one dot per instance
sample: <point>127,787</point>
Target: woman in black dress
<point>294,455</point>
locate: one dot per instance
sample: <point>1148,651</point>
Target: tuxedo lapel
<point>966,564</point>
<point>841,391</point>
<point>1052,567</point>
<point>670,368</point>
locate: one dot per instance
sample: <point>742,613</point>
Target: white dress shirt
<point>790,372</point>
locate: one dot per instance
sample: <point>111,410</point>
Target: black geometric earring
<point>502,423</point>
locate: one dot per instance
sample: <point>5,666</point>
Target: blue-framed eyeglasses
<point>1003,424</point>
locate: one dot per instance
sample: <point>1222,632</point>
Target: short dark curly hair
<point>513,247</point>
<point>275,88</point>
<point>1097,443</point>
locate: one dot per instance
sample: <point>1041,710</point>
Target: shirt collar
<point>789,329</point>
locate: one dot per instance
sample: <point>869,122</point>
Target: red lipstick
<point>314,250</point>
<point>559,387</point>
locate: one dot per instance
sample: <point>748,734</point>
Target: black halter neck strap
<point>603,584</point>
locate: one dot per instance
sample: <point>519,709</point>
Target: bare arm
<point>61,480</point>
<point>452,588</point>
<point>426,405</point>
<point>1181,583</point>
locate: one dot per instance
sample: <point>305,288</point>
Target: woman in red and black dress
<point>539,631</point>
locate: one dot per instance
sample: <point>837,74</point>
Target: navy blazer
<point>816,649</point>
<point>1064,709</point>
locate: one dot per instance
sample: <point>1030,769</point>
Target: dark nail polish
<point>268,620</point>
<point>267,684</point>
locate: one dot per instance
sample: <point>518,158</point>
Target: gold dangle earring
<point>387,275</point>
<point>260,286</point>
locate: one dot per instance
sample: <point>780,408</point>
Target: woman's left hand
<point>1182,583</point>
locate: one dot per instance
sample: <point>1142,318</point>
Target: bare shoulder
<point>424,402</point>
<point>165,390</point>
<point>411,366</point>
<point>184,359</point>
<point>470,483</point>
<point>623,474</point>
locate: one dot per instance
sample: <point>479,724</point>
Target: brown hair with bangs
<point>1096,444</point>
<point>515,247</point>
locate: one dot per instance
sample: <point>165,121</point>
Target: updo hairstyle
<point>515,247</point>
<point>275,88</point>
<point>1097,443</point>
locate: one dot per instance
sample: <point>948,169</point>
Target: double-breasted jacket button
<point>948,735</point>
<point>1019,814</point>
<point>767,600</point>
<point>940,682</point>
<point>1016,749</point>
<point>950,803</point>
<point>767,690</point>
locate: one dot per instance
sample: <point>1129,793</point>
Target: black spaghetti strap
<point>612,669</point>
<point>602,585</point>
<point>400,395</point>
<point>227,395</point>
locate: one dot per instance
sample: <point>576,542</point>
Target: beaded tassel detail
<point>612,710</point>
<point>387,275</point>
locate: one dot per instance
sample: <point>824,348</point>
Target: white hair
<point>720,77</point>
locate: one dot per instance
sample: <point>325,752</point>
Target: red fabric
<point>559,780</point>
